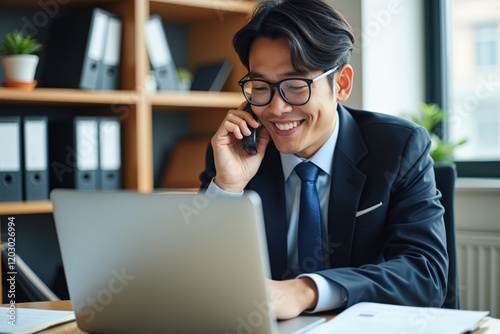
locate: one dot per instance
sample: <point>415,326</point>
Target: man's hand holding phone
<point>234,165</point>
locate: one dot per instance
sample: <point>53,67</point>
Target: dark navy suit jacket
<point>395,253</point>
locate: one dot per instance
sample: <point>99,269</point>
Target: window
<point>463,76</point>
<point>485,35</point>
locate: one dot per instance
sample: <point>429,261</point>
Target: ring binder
<point>87,153</point>
<point>108,78</point>
<point>10,159</point>
<point>75,50</point>
<point>160,54</point>
<point>36,176</point>
<point>109,153</point>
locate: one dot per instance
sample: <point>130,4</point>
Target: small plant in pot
<point>184,78</point>
<point>19,60</point>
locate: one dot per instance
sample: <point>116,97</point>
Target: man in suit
<point>382,235</point>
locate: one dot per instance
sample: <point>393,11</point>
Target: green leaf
<point>429,118</point>
<point>16,43</point>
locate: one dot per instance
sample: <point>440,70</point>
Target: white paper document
<point>375,318</point>
<point>25,320</point>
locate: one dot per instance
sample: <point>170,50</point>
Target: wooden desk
<point>492,326</point>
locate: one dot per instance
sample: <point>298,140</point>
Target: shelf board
<point>35,4</point>
<point>64,96</point>
<point>195,99</point>
<point>20,208</point>
<point>196,10</point>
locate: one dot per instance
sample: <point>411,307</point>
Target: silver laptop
<point>171,263</point>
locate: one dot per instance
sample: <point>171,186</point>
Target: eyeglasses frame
<point>277,85</point>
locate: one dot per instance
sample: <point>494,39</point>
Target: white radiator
<point>478,256</point>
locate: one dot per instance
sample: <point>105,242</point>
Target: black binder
<point>11,182</point>
<point>75,49</point>
<point>74,153</point>
<point>35,142</point>
<point>212,76</point>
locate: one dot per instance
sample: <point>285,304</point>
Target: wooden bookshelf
<point>67,96</point>
<point>210,25</point>
<point>16,208</point>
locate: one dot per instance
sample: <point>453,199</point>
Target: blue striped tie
<point>309,237</point>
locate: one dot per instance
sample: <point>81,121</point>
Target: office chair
<point>445,175</point>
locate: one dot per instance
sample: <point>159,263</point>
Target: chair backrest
<point>445,182</point>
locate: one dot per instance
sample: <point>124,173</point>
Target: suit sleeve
<point>209,173</point>
<point>414,265</point>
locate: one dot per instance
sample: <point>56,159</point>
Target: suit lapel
<point>347,185</point>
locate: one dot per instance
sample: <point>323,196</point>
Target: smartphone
<point>250,142</point>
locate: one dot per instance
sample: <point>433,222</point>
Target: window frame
<point>437,23</point>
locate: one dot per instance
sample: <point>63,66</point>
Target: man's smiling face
<point>299,130</point>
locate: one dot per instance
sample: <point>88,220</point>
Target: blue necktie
<point>309,237</point>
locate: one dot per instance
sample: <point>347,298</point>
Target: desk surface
<point>490,327</point>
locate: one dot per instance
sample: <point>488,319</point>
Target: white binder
<point>36,176</point>
<point>11,188</point>
<point>160,55</point>
<point>92,64</point>
<point>87,153</point>
<point>108,78</point>
<point>109,153</point>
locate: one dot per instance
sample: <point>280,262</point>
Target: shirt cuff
<point>330,294</point>
<point>213,191</point>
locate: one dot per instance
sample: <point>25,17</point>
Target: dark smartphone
<point>250,142</point>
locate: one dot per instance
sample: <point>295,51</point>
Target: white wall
<point>352,12</point>
<point>477,205</point>
<point>393,63</point>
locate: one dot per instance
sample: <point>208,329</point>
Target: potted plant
<point>20,60</point>
<point>431,115</point>
<point>184,77</point>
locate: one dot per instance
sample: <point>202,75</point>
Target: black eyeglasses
<point>295,91</point>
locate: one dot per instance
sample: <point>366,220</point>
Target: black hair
<point>318,35</point>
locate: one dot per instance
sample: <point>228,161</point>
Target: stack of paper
<point>377,318</point>
<point>25,320</point>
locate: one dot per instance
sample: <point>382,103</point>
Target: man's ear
<point>344,82</point>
